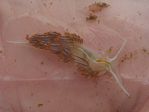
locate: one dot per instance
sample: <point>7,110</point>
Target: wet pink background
<point>32,80</point>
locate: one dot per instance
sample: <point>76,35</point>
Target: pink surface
<point>28,85</point>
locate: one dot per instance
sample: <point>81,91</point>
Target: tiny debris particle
<point>96,7</point>
<point>45,73</point>
<point>73,18</point>
<point>145,51</point>
<point>98,21</point>
<point>40,105</point>
<point>42,63</point>
<point>45,4</point>
<point>130,55</point>
<point>139,13</point>
<point>51,3</point>
<point>32,94</point>
<point>31,2</point>
<point>117,110</point>
<point>91,17</point>
<point>140,37</point>
<point>49,101</point>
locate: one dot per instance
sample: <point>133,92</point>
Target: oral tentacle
<point>119,51</point>
<point>118,80</point>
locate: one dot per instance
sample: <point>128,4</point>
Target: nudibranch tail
<point>24,43</point>
<point>17,42</point>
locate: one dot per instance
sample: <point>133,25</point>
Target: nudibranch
<point>69,47</point>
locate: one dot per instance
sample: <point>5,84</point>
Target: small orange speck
<point>42,63</point>
<point>40,105</point>
<point>96,7</point>
<point>91,17</point>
